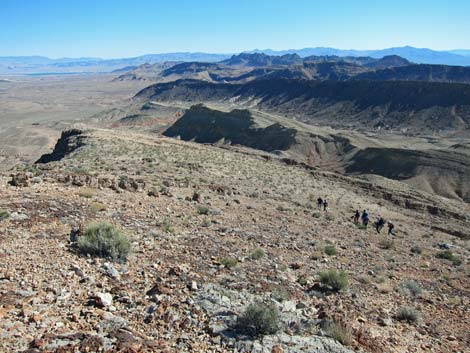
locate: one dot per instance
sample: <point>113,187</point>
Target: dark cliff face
<point>190,67</point>
<point>421,107</point>
<point>204,125</point>
<point>396,94</point>
<point>260,59</point>
<point>68,142</point>
<point>427,73</point>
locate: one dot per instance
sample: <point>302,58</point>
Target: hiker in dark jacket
<point>365,218</point>
<point>379,224</point>
<point>320,203</point>
<point>325,205</point>
<point>356,217</point>
<point>390,228</point>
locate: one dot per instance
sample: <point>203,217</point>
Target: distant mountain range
<point>246,67</point>
<point>459,57</point>
<point>40,64</point>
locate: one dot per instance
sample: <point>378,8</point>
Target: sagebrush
<point>104,240</point>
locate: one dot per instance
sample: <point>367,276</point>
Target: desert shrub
<point>316,255</point>
<point>282,208</point>
<point>339,332</point>
<point>408,314</point>
<point>104,240</point>
<point>302,280</point>
<point>229,262</point>
<point>316,215</point>
<point>166,226</point>
<point>416,249</point>
<point>449,255</point>
<point>280,293</point>
<point>80,170</point>
<point>364,279</point>
<point>359,243</point>
<point>361,226</point>
<point>412,287</point>
<point>333,279</point>
<point>257,254</point>
<point>384,287</point>
<point>330,250</point>
<point>446,254</point>
<point>206,223</point>
<point>259,319</point>
<point>202,210</point>
<point>98,206</point>
<point>4,214</point>
<point>386,244</point>
<point>86,193</point>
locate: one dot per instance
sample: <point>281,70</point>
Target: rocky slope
<point>191,273</point>
<point>415,107</point>
<point>428,73</point>
<point>441,171</point>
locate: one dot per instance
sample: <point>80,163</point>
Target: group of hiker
<point>379,224</point>
<point>322,204</point>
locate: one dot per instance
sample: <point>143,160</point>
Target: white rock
<point>104,299</point>
<point>289,306</point>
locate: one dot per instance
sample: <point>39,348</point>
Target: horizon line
<point>228,53</point>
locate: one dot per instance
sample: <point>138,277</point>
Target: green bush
<point>166,226</point>
<point>408,314</point>
<point>330,250</point>
<point>104,240</point>
<point>259,319</point>
<point>4,214</point>
<point>203,210</point>
<point>412,287</point>
<point>334,280</point>
<point>449,255</point>
<point>229,262</point>
<point>280,293</point>
<point>257,254</point>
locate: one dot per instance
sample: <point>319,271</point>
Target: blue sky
<point>120,28</point>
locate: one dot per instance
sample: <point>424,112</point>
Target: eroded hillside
<point>412,107</point>
<point>213,230</point>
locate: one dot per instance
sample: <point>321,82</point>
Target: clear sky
<point>122,28</point>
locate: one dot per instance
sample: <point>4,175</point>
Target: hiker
<point>356,217</point>
<point>365,218</point>
<point>390,228</point>
<point>379,224</point>
<point>320,203</point>
<point>325,205</point>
